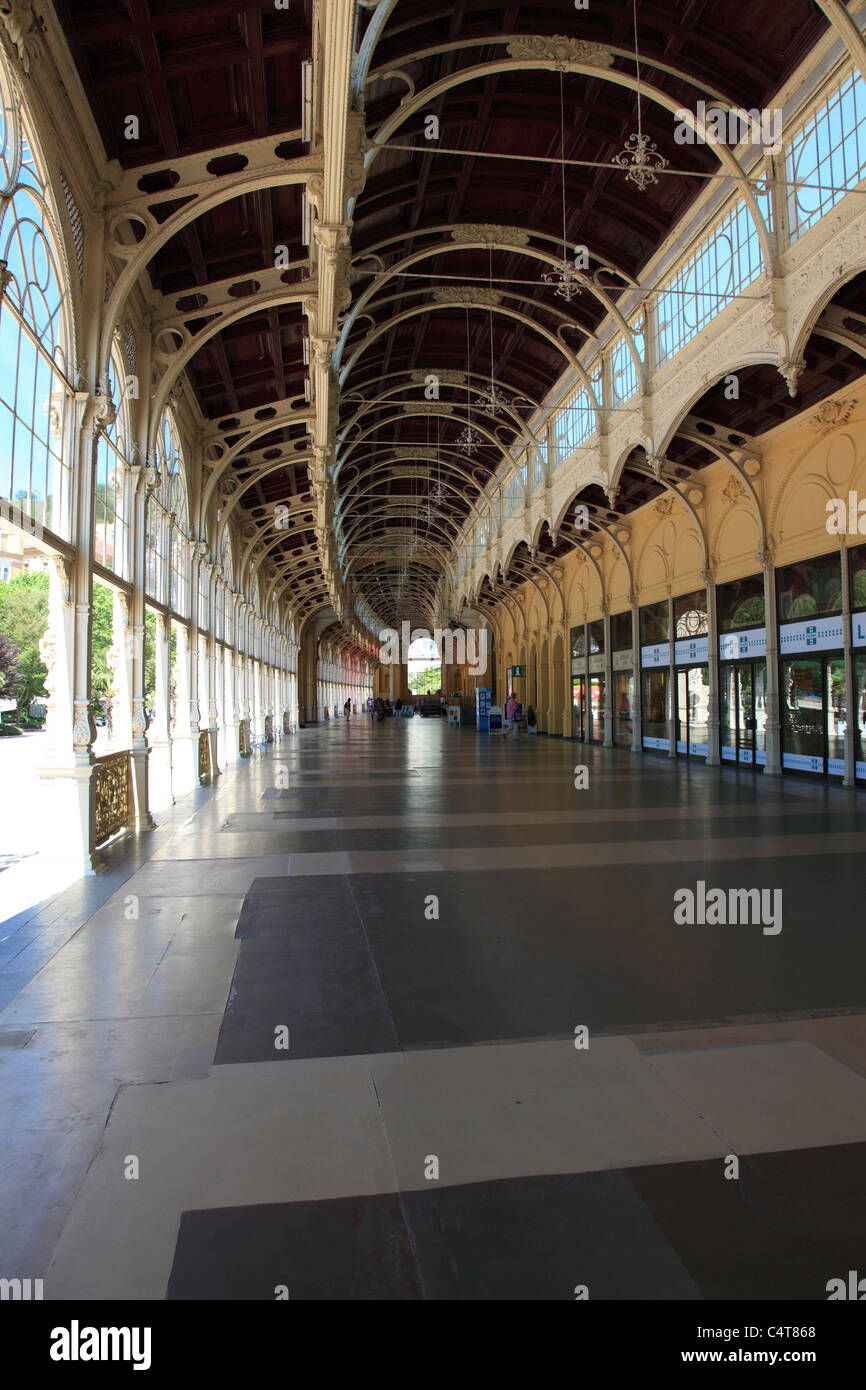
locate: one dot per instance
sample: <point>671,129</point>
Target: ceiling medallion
<point>641,159</point>
<point>566,280</point>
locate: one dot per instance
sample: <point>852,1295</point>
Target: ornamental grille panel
<point>109,797</point>
<point>203,758</point>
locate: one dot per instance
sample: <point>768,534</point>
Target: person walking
<point>347,708</point>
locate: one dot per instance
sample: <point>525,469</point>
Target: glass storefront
<point>812,693</point>
<point>578,705</point>
<point>655,708</point>
<point>623,678</point>
<point>596,708</point>
<point>743,712</point>
<point>693,711</point>
<point>742,673</point>
<point>860,712</point>
<point>814,714</point>
<point>623,682</point>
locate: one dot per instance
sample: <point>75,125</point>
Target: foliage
<point>9,673</point>
<point>23,620</point>
<point>426,681</point>
<point>101,677</point>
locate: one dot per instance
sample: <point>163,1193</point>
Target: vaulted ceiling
<point>450,235</point>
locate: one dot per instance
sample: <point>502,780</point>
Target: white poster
<point>734,646</point>
<point>690,650</point>
<point>812,635</point>
<point>659,655</point>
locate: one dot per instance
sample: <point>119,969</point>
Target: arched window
<point>167,542</point>
<point>36,337</point>
<point>114,451</point>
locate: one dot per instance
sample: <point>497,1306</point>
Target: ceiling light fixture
<point>640,157</point>
<point>565,280</point>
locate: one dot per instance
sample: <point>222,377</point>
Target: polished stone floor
<point>317,1033</point>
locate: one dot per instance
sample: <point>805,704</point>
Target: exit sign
<point>518,670</point>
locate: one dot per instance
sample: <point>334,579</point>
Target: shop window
<point>621,631</point>
<point>812,588</point>
<point>654,624</point>
<point>690,615</point>
<point>741,604</point>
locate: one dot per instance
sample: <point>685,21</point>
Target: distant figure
<point>511,709</point>
<point>398,705</point>
<point>347,708</point>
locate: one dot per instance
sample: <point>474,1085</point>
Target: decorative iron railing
<point>204,758</point>
<point>110,797</point>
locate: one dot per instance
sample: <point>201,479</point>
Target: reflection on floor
<point>396,1012</point>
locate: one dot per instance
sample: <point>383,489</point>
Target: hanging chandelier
<point>468,441</point>
<point>564,278</point>
<point>640,157</point>
<point>491,401</point>
<point>566,281</point>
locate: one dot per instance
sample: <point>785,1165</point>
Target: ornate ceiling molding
<point>560,50</point>
<point>487,232</point>
<point>831,415</point>
<point>467,294</point>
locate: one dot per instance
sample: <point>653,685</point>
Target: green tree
<point>425,681</point>
<point>101,678</point>
<point>9,673</point>
<point>23,619</point>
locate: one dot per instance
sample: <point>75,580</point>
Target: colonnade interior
<point>328,329</point>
